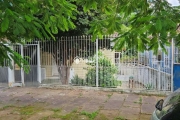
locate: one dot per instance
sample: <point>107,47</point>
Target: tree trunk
<point>64,73</point>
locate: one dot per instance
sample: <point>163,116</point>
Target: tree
<point>150,25</point>
<point>24,20</point>
<point>142,24</point>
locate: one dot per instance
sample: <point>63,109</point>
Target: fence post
<point>159,76</point>
<point>97,70</point>
<point>38,63</point>
<point>22,72</point>
<point>172,64</point>
<point>11,78</point>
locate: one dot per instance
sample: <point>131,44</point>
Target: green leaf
<point>4,24</point>
<point>54,29</point>
<point>158,25</point>
<point>28,18</point>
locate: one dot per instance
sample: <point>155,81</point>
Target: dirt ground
<point>62,104</point>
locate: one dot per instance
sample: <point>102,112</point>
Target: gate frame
<point>11,72</point>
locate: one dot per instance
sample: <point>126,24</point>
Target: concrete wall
<point>46,63</point>
<point>80,69</point>
<point>109,54</point>
<point>3,75</point>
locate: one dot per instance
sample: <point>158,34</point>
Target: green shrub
<point>78,81</point>
<point>106,74</point>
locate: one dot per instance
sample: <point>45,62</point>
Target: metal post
<point>97,76</point>
<point>38,63</point>
<point>22,71</point>
<point>172,65</point>
<point>159,76</point>
<point>11,78</point>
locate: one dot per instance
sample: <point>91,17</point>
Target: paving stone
<point>58,103</point>
<point>90,107</point>
<point>59,99</point>
<point>113,104</point>
<point>131,104</point>
<point>101,95</point>
<point>88,93</point>
<point>75,93</point>
<point>99,100</point>
<point>149,99</point>
<point>93,105</point>
<point>24,100</point>
<point>76,104</point>
<point>118,104</point>
<point>118,96</point>
<point>5,98</point>
<point>147,108</point>
<point>130,110</point>
<point>69,108</point>
<point>132,97</point>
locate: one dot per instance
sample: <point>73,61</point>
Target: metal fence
<point>72,59</point>
<point>143,70</point>
<point>78,60</point>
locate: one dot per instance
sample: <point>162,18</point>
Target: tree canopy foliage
<point>145,25</point>
<point>24,20</point>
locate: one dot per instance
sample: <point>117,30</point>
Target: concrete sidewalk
<point>114,105</point>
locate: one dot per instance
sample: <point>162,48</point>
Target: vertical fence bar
<point>11,77</point>
<point>22,71</point>
<point>172,64</point>
<point>38,63</point>
<point>97,76</point>
<point>159,76</point>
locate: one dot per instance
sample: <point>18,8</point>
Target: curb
<point>121,90</point>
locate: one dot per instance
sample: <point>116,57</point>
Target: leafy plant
<point>78,81</point>
<point>149,86</point>
<point>91,116</point>
<point>29,110</point>
<point>106,72</point>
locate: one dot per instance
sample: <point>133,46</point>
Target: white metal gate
<point>31,53</point>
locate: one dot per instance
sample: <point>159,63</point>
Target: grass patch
<point>120,118</point>
<point>56,110</point>
<point>109,95</point>
<point>140,101</point>
<point>57,115</point>
<point>101,117</point>
<point>7,106</point>
<point>45,118</point>
<point>91,116</point>
<point>28,110</point>
<point>80,94</point>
